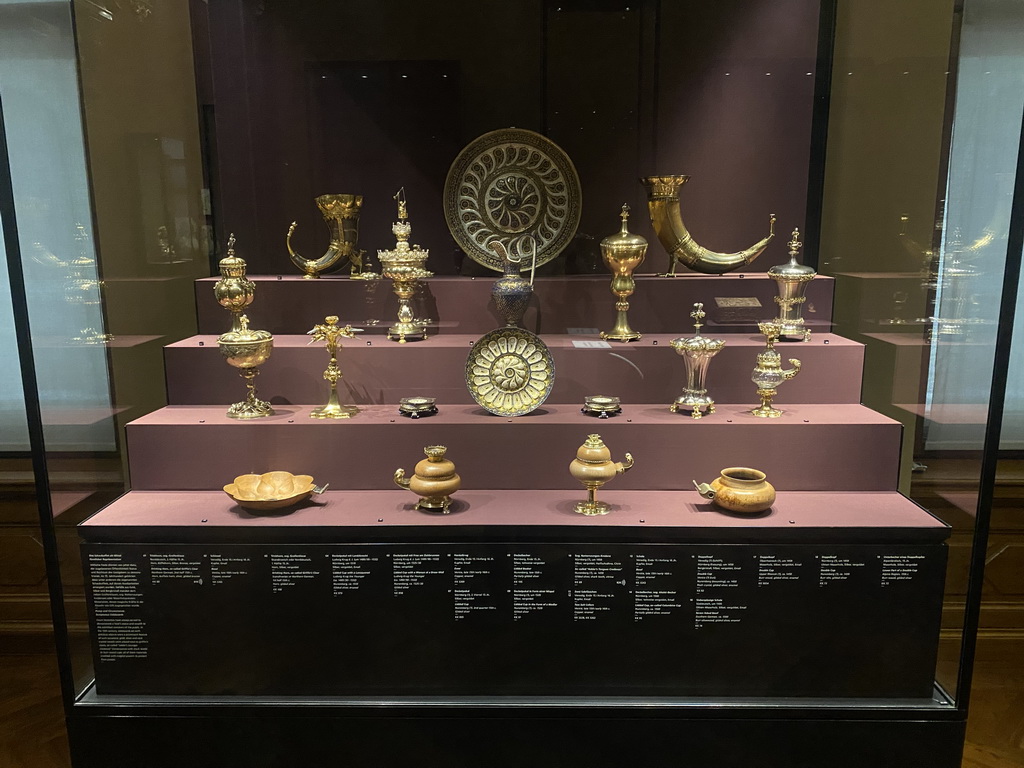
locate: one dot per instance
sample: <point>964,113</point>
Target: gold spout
<point>663,205</point>
<point>400,479</point>
<point>624,466</point>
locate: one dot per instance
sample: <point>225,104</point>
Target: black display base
<point>504,739</point>
<point>516,618</point>
<point>418,414</point>
<point>601,414</point>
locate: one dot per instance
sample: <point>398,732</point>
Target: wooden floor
<point>32,723</point>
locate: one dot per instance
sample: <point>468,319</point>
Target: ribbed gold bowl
<point>271,490</point>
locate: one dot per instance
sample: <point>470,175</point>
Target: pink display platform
<point>811,447</point>
<point>196,515</point>
<point>647,371</point>
<point>290,304</point>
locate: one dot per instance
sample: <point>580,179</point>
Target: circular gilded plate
<point>506,185</point>
<point>510,372</point>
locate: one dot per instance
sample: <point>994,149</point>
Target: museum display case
<point>492,528</point>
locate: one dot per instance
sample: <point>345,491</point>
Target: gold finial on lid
<point>403,211</point>
<point>698,316</point>
<point>625,217</point>
<point>795,245</point>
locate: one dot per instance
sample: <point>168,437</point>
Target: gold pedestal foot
<point>333,412</point>
<point>592,508</point>
<point>440,505</point>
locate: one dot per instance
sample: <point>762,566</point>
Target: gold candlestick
<point>623,252</point>
<point>329,332</point>
<point>404,267</point>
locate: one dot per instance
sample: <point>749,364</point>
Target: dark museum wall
<point>307,101</point>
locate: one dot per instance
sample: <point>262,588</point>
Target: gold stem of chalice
<point>252,407</point>
<point>622,330</point>
<point>592,506</point>
<point>766,410</point>
<point>406,327</point>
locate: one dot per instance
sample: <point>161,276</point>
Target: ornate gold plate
<point>506,185</point>
<point>510,372</point>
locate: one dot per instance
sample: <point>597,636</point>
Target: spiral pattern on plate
<point>510,372</point>
<point>509,185</point>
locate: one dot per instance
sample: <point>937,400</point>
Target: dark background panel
<point>329,97</point>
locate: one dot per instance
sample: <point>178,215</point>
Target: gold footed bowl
<point>271,490</point>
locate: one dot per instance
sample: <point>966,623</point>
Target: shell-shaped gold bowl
<point>271,490</point>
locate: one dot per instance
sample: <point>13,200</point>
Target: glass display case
<point>649,396</point>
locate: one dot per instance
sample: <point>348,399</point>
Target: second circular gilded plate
<point>508,185</point>
<point>510,372</point>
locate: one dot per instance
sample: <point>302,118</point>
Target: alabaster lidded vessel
<point>434,480</point>
<point>593,467</point>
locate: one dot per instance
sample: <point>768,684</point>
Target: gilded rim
<point>508,185</point>
<point>510,372</point>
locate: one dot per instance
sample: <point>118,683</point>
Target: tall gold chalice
<point>403,265</point>
<point>329,332</point>
<point>247,350</point>
<point>623,252</point>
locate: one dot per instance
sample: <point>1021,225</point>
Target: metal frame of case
<point>567,732</point>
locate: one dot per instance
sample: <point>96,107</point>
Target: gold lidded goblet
<point>623,252</point>
<point>696,352</point>
<point>247,350</point>
<point>404,266</point>
<point>234,291</point>
<point>792,279</point>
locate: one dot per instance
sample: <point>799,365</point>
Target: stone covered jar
<point>434,480</point>
<point>739,489</point>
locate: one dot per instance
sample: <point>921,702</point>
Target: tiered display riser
<point>833,461</point>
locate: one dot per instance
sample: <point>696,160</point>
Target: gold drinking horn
<point>341,214</point>
<point>663,204</point>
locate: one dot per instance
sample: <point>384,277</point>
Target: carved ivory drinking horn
<point>663,203</point>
